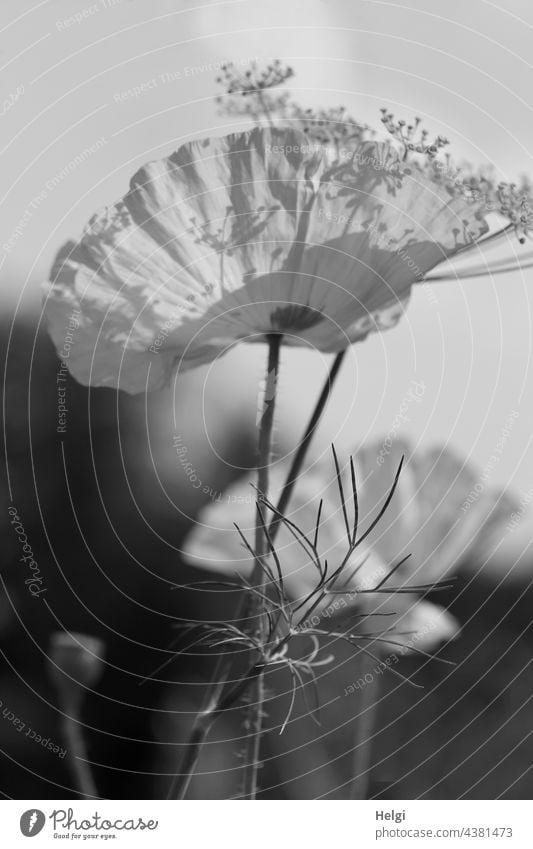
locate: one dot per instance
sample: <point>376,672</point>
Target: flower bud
<point>76,660</point>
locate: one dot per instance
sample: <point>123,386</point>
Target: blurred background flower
<point>425,517</point>
<point>215,544</point>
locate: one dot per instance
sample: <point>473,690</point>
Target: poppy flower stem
<point>256,607</point>
<point>266,425</point>
<point>253,613</point>
<point>253,610</point>
<point>301,451</point>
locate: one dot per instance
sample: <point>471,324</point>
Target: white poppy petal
<point>237,237</point>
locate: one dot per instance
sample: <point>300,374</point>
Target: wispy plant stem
<point>201,728</point>
<point>264,107</point>
<point>301,451</point>
<point>255,612</point>
<point>364,729</point>
<point>266,426</point>
<point>252,612</point>
<point>182,780</point>
<point>77,751</point>
<point>206,718</point>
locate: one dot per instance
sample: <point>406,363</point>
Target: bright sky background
<point>464,67</point>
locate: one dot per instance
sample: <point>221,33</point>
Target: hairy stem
<point>255,611</point>
<point>201,728</point>
<point>364,729</point>
<point>206,718</point>
<point>182,780</point>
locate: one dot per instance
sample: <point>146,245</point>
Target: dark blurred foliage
<point>99,530</point>
<point>106,536</point>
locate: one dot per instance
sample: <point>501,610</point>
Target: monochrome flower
<point>235,238</point>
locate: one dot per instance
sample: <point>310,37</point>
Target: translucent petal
<point>233,238</point>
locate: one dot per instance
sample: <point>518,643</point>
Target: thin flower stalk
<point>301,451</point>
<point>72,733</point>
<point>364,729</point>
<point>253,612</point>
<point>76,665</point>
<point>202,724</point>
<point>256,607</point>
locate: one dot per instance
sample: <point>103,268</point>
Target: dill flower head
<point>270,231</point>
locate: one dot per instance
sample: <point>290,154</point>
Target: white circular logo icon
<point>32,822</point>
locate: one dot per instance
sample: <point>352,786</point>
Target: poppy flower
<point>232,239</point>
<point>446,513</point>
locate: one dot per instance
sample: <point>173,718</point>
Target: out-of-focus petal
<point>444,512</point>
